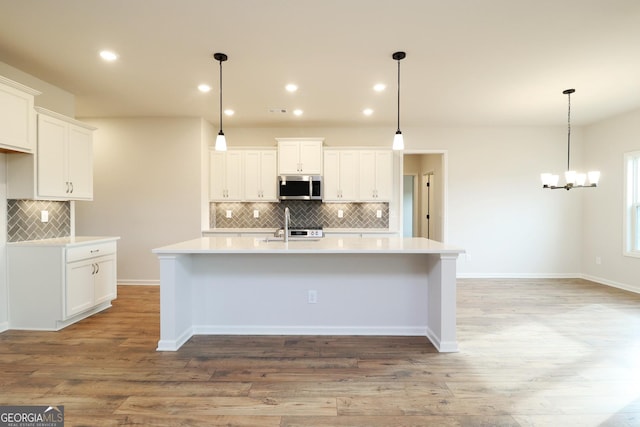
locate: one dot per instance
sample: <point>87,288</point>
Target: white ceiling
<point>469,62</point>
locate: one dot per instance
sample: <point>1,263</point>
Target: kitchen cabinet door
<point>80,162</point>
<point>104,280</point>
<point>52,157</point>
<point>331,176</point>
<point>288,158</point>
<point>311,157</point>
<point>79,292</point>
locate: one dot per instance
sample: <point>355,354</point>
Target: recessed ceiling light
<point>367,111</point>
<point>291,87</point>
<point>379,87</point>
<point>297,112</point>
<point>204,88</point>
<point>107,55</point>
<point>229,112</point>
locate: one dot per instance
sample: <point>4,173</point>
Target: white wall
<point>147,180</point>
<point>606,143</point>
<point>4,312</point>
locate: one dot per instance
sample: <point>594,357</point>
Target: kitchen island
<point>330,286</point>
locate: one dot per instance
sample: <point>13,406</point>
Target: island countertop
<point>326,245</point>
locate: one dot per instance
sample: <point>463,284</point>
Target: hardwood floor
<point>532,353</point>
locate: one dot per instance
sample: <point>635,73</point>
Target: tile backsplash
<point>303,214</point>
<point>23,220</point>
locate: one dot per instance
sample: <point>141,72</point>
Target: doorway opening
<point>423,196</point>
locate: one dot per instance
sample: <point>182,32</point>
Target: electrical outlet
<point>256,213</point>
<point>44,216</point>
<point>598,260</point>
<point>312,297</point>
<point>340,213</point>
<point>378,213</point>
<point>229,214</point>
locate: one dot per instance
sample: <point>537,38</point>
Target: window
<point>632,204</point>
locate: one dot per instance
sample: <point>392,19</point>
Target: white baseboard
<point>518,275</point>
<point>4,326</point>
<point>406,331</point>
<point>602,281</point>
<point>138,282</point>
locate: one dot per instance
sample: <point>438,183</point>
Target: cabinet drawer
<point>77,253</point>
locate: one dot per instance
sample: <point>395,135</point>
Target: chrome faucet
<point>287,220</point>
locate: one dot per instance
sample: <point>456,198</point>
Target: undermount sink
<point>291,239</point>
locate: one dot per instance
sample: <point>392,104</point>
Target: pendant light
<point>398,140</point>
<point>221,141</point>
<point>572,178</point>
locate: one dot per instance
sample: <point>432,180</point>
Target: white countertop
<point>326,245</point>
<point>65,241</point>
<point>326,230</point>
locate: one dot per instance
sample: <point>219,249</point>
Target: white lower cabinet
<point>53,284</point>
<point>89,283</point>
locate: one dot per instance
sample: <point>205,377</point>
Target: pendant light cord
<point>398,95</point>
<point>220,96</point>
<point>569,131</point>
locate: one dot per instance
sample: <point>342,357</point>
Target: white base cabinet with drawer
<point>56,282</point>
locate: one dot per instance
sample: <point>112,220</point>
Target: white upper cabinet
<point>340,175</point>
<point>62,166</point>
<point>225,176</point>
<point>375,175</point>
<point>17,117</point>
<point>260,176</point>
<point>300,156</point>
<point>65,159</point>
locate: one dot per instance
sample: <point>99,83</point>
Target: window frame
<point>631,224</point>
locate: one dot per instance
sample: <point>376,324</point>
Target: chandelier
<point>572,178</point>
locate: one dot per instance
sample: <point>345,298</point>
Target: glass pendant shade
<point>221,142</point>
<point>398,141</point>
<point>594,177</point>
<point>570,177</point>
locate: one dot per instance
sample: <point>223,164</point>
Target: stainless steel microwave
<point>300,187</point>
